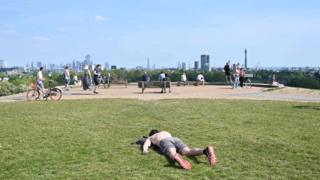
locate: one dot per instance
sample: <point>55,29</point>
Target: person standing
<point>162,77</point>
<point>236,76</point>
<point>66,76</point>
<point>40,81</point>
<point>40,78</point>
<point>86,81</point>
<point>242,75</point>
<point>227,72</point>
<point>96,77</point>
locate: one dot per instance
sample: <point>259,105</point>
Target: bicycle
<point>247,83</point>
<point>35,92</point>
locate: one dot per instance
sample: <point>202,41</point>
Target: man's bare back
<point>156,138</point>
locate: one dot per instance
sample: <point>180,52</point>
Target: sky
<point>276,33</point>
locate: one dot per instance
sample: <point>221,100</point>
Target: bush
<point>7,88</point>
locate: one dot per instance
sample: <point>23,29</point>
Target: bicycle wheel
<point>55,94</point>
<point>33,95</point>
<point>248,83</point>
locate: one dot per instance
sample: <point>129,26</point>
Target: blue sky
<point>126,32</point>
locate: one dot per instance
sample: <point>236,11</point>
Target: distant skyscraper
<point>3,64</point>
<point>148,63</point>
<point>179,65</point>
<point>184,66</point>
<point>205,62</point>
<point>196,65</point>
<point>245,59</point>
<point>107,65</point>
<point>39,64</point>
<point>88,60</point>
<point>74,64</point>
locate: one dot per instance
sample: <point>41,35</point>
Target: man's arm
<point>146,146</point>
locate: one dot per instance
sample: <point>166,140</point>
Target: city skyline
<point>126,33</point>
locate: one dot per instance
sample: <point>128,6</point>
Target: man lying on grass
<point>173,147</point>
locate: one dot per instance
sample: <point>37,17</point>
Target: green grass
<point>90,139</point>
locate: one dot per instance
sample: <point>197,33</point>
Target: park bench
<point>195,83</point>
<point>248,75</point>
<point>117,82</point>
<point>155,84</point>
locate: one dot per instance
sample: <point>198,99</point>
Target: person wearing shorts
<point>96,76</point>
<point>174,148</point>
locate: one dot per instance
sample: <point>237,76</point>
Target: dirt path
<point>199,92</point>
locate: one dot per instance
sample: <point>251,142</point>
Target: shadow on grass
<point>308,107</point>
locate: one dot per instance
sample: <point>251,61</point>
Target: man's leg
<point>172,153</point>
<point>192,151</point>
<point>209,152</point>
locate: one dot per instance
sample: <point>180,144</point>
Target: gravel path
<point>186,92</point>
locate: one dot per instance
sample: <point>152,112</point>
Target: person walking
<point>66,77</point>
<point>86,80</point>
<point>242,76</point>
<point>236,76</point>
<point>96,77</point>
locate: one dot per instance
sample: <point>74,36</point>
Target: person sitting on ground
<point>146,77</point>
<point>174,148</point>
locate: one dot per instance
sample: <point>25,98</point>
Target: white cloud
<point>40,39</point>
<point>9,32</point>
<point>99,18</point>
<point>63,29</point>
<point>8,26</point>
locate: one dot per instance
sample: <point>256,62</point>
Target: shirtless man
<point>173,147</point>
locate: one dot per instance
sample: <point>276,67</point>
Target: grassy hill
<point>91,139</point>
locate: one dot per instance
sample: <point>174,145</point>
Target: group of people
<point>87,78</point>
<point>239,75</point>
<point>165,77</point>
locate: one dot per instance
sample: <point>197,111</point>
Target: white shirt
<point>183,77</point>
<point>39,76</point>
<point>66,74</point>
<point>162,76</point>
<point>200,77</point>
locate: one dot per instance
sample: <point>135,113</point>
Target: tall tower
<point>148,63</point>
<point>245,58</point>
